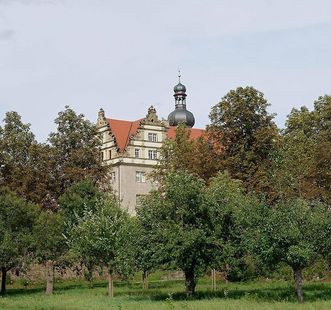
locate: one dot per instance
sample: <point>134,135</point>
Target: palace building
<point>131,148</point>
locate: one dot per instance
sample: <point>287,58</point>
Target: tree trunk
<point>213,279</point>
<point>110,284</point>
<point>145,280</point>
<point>3,280</point>
<point>298,284</point>
<point>50,277</point>
<point>190,283</point>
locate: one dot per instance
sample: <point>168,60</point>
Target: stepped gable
<point>123,131</point>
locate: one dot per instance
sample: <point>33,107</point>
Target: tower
<point>180,114</point>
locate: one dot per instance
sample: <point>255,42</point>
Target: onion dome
<point>180,114</point>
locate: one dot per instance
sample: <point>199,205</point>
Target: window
<point>112,177</point>
<point>140,177</point>
<point>136,153</point>
<point>152,137</point>
<point>152,154</point>
<point>109,153</point>
<point>101,155</point>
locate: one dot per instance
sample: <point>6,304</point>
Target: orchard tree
<point>17,218</point>
<point>181,225</point>
<point>227,203</point>
<point>248,135</point>
<point>51,246</point>
<point>78,199</point>
<point>289,232</point>
<point>106,236</point>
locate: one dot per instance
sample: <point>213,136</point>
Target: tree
<point>183,153</point>
<point>106,236</point>
<point>248,135</point>
<point>181,226</point>
<point>50,244</point>
<point>16,239</point>
<point>303,163</point>
<point>77,151</point>
<point>16,139</point>
<point>78,199</point>
<point>227,204</point>
<point>289,232</point>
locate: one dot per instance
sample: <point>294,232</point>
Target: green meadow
<point>168,294</point>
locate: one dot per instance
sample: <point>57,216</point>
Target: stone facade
<point>132,150</point>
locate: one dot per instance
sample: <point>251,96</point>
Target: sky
<point>124,55</point>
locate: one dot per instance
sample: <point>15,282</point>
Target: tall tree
<point>106,236</point>
<point>77,150</point>
<point>17,218</point>
<point>248,135</point>
<point>16,140</point>
<point>302,167</point>
<point>289,232</point>
<point>183,153</point>
<point>181,226</point>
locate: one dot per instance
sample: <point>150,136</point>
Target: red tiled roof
<point>195,133</point>
<point>122,131</point>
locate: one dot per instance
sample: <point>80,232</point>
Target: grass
<point>164,294</point>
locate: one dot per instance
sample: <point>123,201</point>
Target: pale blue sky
<point>124,55</point>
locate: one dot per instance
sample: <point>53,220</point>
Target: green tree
<point>51,244</point>
<point>183,153</point>
<point>181,226</point>
<point>77,151</point>
<point>16,140</point>
<point>227,204</point>
<point>17,218</point>
<point>106,236</point>
<point>303,164</point>
<point>289,232</point>
<point>78,199</point>
<point>248,135</point>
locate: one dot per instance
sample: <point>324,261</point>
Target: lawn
<point>164,294</point>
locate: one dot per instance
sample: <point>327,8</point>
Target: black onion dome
<point>181,116</point>
<point>180,88</point>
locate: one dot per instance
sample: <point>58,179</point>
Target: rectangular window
<point>136,153</point>
<point>109,153</point>
<point>152,154</point>
<point>152,137</point>
<point>102,155</point>
<point>140,177</point>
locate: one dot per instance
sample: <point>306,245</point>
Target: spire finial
<point>179,75</point>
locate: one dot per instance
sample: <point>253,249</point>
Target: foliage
<point>248,135</point>
<point>77,151</point>
<point>303,164</point>
<point>290,232</point>
<point>183,153</point>
<point>227,202</point>
<point>17,218</point>
<point>106,237</point>
<point>181,226</point>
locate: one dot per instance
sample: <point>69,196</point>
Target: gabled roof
<point>195,133</point>
<point>122,131</point>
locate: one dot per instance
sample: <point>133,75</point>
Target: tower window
<point>152,154</point>
<point>136,153</point>
<point>109,153</point>
<point>140,177</point>
<point>152,137</point>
